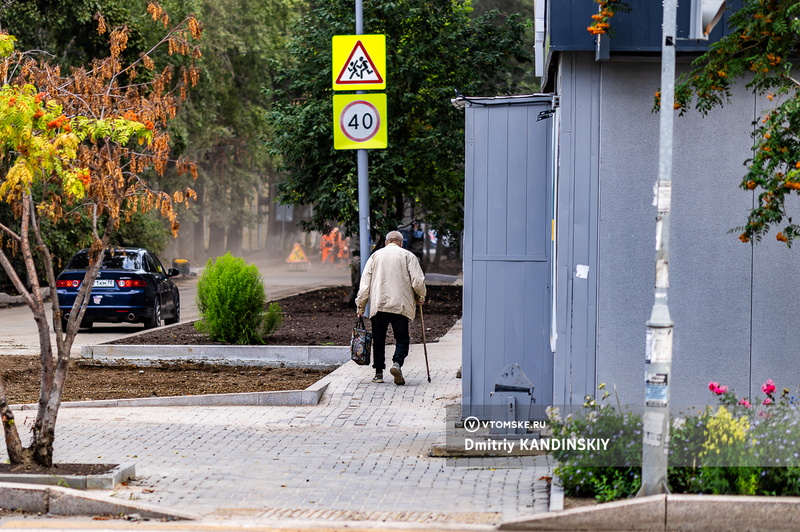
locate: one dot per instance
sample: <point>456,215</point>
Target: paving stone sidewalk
<point>360,455</point>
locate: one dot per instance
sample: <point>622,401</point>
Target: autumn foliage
<point>82,143</point>
<point>761,50</point>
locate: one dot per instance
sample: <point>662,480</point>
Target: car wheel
<point>155,321</point>
<point>176,314</point>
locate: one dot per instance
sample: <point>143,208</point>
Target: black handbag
<point>361,344</point>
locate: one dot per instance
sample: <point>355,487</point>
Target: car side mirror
<point>172,272</point>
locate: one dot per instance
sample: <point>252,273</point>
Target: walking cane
<point>424,344</point>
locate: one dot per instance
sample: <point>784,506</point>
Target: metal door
<point>507,246</point>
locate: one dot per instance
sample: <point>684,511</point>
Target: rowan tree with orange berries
<point>761,47</point>
<point>75,144</point>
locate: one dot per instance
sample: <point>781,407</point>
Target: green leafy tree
<point>434,51</point>
<point>761,49</point>
<point>221,122</point>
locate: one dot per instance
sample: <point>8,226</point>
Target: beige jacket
<point>392,281</point>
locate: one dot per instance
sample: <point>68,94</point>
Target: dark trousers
<point>380,325</point>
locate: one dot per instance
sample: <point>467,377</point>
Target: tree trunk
<point>16,452</point>
<point>199,228</point>
<point>216,241</point>
<point>235,237</point>
<point>54,370</point>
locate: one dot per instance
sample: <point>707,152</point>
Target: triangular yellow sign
<point>358,62</point>
<point>297,254</point>
<point>359,68</point>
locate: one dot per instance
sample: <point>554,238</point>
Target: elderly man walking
<point>393,283</point>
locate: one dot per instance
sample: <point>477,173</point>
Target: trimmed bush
<point>231,301</point>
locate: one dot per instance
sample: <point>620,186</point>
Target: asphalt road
<point>19,335</point>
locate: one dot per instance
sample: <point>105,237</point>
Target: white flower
<point>553,413</point>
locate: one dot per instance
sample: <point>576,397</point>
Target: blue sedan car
<point>132,286</point>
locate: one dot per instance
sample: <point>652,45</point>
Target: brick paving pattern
<point>360,455</point>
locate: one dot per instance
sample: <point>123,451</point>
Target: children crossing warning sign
<point>359,62</point>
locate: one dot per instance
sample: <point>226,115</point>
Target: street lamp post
<point>658,350</point>
<point>658,344</point>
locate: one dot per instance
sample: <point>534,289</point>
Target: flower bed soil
<point>322,317</point>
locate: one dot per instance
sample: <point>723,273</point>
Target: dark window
<point>157,263</point>
<point>113,260</point>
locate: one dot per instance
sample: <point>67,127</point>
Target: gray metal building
<point>570,304</point>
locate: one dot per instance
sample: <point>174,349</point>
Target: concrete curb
<point>447,450</point>
<point>308,397</point>
<point>674,512</point>
<point>244,355</point>
<point>106,481</point>
<point>55,500</point>
<point>7,300</point>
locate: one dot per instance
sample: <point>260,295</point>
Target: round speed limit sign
<point>359,121</point>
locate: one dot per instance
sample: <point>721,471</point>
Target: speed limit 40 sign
<point>359,121</point>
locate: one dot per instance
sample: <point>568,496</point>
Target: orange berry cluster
<point>601,20</point>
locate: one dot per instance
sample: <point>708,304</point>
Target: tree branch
<point>10,232</point>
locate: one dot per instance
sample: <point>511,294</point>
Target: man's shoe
<point>397,373</point>
<point>378,377</point>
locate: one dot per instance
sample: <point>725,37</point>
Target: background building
<point>732,303</point>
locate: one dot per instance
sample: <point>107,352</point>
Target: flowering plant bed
<point>741,446</point>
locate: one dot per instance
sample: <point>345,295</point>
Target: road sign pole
<point>363,171</point>
<point>363,206</point>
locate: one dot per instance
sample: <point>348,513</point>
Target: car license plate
<point>104,283</point>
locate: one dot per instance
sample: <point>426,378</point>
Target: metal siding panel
<point>537,358</point>
<point>516,206</point>
<point>497,184</point>
<point>561,358</point>
<point>637,31</point>
<point>575,348</point>
<point>514,311</point>
<point>537,193</point>
<point>584,291</point>
<point>484,343</point>
<point>480,181</point>
<point>470,158</point>
<point>477,336</point>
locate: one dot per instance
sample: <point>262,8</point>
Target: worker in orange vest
<point>326,246</point>
<point>342,249</point>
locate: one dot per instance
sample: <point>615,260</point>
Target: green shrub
<point>231,301</point>
<point>608,475</point>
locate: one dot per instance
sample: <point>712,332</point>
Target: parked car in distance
<point>132,286</point>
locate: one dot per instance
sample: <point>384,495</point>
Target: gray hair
<point>395,236</point>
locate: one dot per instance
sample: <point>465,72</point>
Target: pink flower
<point>768,387</point>
<point>716,388</point>
<point>744,402</point>
<point>767,401</point>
